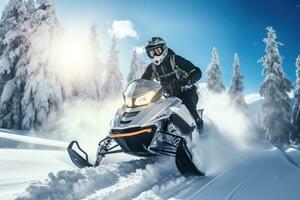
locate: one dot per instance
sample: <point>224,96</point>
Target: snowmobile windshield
<point>142,92</point>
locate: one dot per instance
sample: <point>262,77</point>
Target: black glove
<point>182,82</point>
<point>178,84</point>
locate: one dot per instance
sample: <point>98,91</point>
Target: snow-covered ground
<point>19,167</point>
<point>235,169</point>
<point>266,173</point>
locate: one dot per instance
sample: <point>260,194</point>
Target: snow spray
<point>225,135</point>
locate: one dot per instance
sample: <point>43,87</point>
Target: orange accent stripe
<point>116,135</point>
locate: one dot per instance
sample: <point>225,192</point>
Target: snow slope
<point>20,167</point>
<point>266,173</point>
<point>234,170</point>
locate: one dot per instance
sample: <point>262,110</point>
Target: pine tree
<point>213,73</point>
<point>296,109</point>
<point>88,83</point>
<point>14,42</point>
<point>112,87</point>
<point>275,110</point>
<point>137,68</point>
<point>43,92</point>
<point>237,86</point>
<point>30,6</point>
<point>97,65</point>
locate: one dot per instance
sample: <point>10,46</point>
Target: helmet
<point>157,50</point>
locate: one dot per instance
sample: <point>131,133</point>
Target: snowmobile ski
<point>76,157</point>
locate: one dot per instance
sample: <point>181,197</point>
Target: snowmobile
<point>148,124</point>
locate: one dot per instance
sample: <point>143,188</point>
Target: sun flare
<point>70,55</point>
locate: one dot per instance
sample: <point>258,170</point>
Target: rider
<point>176,75</point>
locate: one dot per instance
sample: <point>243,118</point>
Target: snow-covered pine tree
<point>112,86</point>
<point>237,86</point>
<point>43,92</point>
<point>213,73</point>
<point>275,110</point>
<point>137,67</point>
<point>88,83</point>
<point>14,42</point>
<point>96,64</point>
<point>296,109</point>
<point>30,6</point>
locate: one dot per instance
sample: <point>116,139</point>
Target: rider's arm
<point>192,72</point>
<point>148,74</point>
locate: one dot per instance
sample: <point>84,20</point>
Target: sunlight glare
<point>71,57</point>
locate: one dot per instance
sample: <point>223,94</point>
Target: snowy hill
<point>267,173</point>
<point>247,179</point>
<point>19,167</point>
<point>257,172</point>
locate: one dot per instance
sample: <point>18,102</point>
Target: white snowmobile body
<point>151,114</point>
<point>148,124</point>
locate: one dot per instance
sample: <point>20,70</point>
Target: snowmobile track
<point>228,172</point>
<point>290,158</point>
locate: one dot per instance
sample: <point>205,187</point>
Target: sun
<point>71,56</point>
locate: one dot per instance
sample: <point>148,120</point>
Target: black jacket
<point>183,72</point>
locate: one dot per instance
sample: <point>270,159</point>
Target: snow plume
<point>100,183</point>
<point>86,121</point>
<point>225,135</point>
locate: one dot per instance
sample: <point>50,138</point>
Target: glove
<point>177,85</point>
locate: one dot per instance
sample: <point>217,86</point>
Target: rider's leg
<point>190,99</point>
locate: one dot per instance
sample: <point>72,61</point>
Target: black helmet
<point>157,50</point>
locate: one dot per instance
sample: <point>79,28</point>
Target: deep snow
<point>265,173</point>
<point>235,168</point>
<point>20,167</point>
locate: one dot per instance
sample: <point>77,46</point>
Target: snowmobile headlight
<point>144,99</point>
<point>128,101</point>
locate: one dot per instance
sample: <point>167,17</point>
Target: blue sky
<point>192,28</point>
